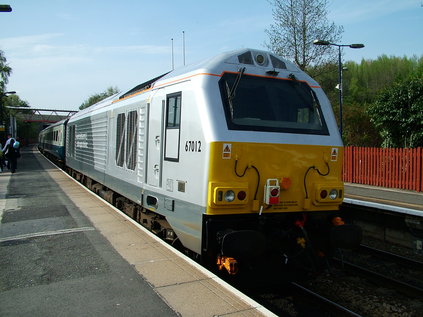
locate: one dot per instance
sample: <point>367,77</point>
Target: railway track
<point>367,287</point>
<point>324,304</point>
<point>403,260</point>
<point>387,269</point>
<point>296,299</point>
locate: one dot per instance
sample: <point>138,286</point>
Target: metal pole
<point>173,61</point>
<point>183,44</point>
<point>340,88</point>
<point>321,42</point>
<point>12,126</point>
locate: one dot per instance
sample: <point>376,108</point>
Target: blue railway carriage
<point>51,141</point>
<point>237,158</point>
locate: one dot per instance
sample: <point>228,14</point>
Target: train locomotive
<point>238,159</point>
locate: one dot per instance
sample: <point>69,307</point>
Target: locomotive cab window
<point>270,104</point>
<point>173,124</point>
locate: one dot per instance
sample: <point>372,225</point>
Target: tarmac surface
<point>64,252</point>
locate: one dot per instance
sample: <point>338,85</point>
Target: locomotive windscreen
<point>271,104</point>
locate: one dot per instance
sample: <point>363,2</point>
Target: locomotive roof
<point>245,56</point>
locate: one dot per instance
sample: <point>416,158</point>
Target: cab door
<point>155,141</point>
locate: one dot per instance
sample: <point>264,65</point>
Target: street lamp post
<point>340,87</point>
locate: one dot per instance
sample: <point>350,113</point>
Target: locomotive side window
<point>271,104</point>
<point>120,139</point>
<point>173,111</point>
<point>131,140</point>
<point>173,123</point>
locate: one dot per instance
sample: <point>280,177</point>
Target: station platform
<point>399,200</point>
<point>66,252</point>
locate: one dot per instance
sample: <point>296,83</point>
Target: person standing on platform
<point>3,149</point>
<point>9,138</point>
<point>11,154</point>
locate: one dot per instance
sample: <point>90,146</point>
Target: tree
<point>358,128</point>
<point>398,113</point>
<point>5,71</point>
<point>363,83</point>
<point>98,97</point>
<point>297,23</point>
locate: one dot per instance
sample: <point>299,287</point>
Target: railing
<point>393,168</point>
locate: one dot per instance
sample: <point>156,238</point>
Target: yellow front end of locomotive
<point>247,178</point>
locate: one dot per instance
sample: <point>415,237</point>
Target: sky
<point>63,51</point>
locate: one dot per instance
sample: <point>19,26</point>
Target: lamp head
<point>321,42</point>
<point>356,45</point>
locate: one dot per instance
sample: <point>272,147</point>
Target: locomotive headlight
<point>330,194</point>
<point>333,194</point>
<point>261,59</point>
<point>229,196</point>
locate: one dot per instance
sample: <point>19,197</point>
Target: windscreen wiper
<point>231,92</point>
<point>235,86</point>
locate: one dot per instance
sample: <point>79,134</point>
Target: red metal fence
<point>394,168</point>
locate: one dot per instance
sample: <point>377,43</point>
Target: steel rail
<point>383,280</point>
<point>392,256</point>
<point>331,306</point>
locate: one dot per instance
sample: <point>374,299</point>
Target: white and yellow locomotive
<point>235,157</point>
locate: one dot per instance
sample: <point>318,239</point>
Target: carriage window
<point>131,140</point>
<point>120,139</point>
